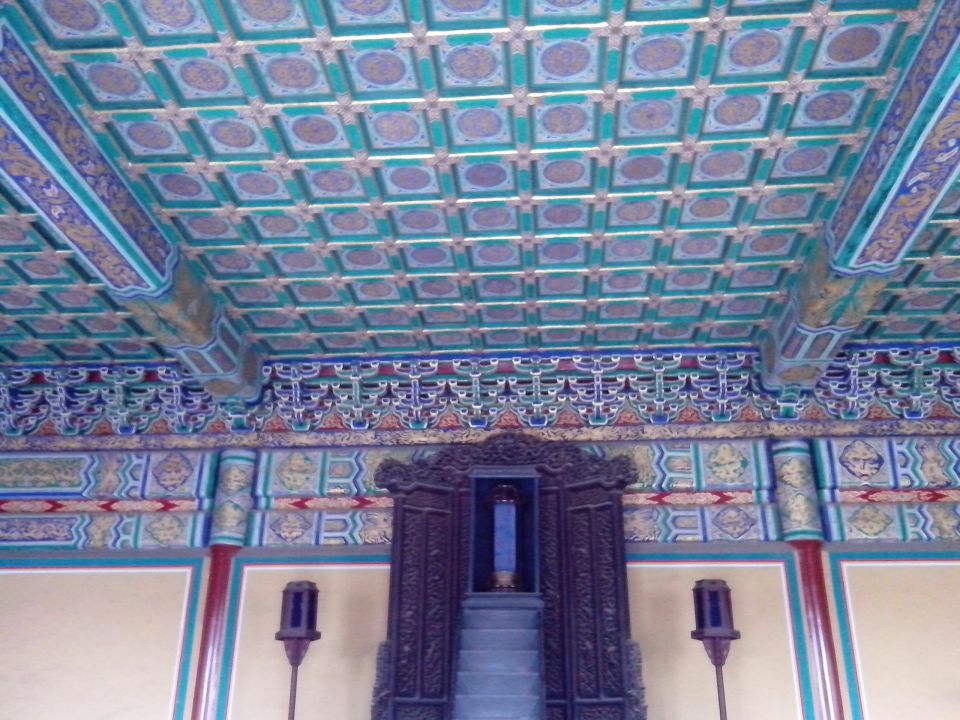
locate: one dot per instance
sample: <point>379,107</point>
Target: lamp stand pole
<point>292,705</point>
<point>721,695</point>
<point>713,612</point>
<point>296,649</point>
<point>298,628</point>
<point>717,649</point>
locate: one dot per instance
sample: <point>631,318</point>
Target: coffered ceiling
<point>391,177</point>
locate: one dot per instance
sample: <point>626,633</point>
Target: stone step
<point>498,666</point>
<point>495,660</point>
<point>508,707</point>
<point>520,601</point>
<point>497,683</point>
<point>482,638</point>
<point>501,619</point>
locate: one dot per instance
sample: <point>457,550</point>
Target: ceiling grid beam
<point>907,169</point>
<point>368,179</point>
<point>51,159</point>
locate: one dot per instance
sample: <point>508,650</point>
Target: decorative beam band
<point>906,122</point>
<point>121,227</point>
<point>42,143</point>
<point>25,171</point>
<point>650,395</point>
<point>923,183</point>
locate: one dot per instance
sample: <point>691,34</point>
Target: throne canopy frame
<point>591,668</point>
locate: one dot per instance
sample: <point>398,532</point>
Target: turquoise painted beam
<point>52,159</point>
<point>910,162</point>
<point>56,165</point>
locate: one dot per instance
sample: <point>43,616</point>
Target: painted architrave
<point>889,489</point>
<point>97,501</point>
<point>215,439</point>
<point>926,466</point>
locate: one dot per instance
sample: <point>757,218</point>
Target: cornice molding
<point>894,391</point>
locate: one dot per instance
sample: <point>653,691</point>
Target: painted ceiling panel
<point>380,177</point>
<point>51,309</point>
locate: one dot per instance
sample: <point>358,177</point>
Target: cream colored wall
<point>105,643</point>
<point>92,643</point>
<point>905,637</point>
<point>337,676</point>
<point>760,674</point>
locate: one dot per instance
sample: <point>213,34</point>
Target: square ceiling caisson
<point>384,177</point>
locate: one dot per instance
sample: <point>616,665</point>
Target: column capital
<point>796,490</point>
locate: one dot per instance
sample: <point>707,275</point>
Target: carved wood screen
<point>590,671</point>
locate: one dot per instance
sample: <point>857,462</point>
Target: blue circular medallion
<point>472,64</point>
<point>485,175</point>
<point>380,67</point>
<point>172,13</point>
<point>79,15</point>
<point>292,73</point>
<point>565,59</point>
<point>267,11</point>
<point>479,123</point>
<point>565,119</point>
<point>314,130</point>
<point>204,75</point>
<point>114,79</point>
<point>150,135</point>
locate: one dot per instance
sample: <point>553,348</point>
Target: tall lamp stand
<point>298,628</point>
<point>713,612</point>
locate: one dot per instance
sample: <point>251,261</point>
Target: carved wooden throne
<point>591,669</point>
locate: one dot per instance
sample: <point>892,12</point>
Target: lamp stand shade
<point>298,628</point>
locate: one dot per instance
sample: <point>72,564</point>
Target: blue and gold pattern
<point>938,52</point>
<point>233,498</point>
<point>866,489</point>
<point>47,110</point>
<point>632,183</point>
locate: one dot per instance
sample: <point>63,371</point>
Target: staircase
<point>500,661</point>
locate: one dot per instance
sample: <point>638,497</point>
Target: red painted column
<point>823,654</point>
<point>798,503</point>
<point>207,690</point>
<point>235,472</point>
